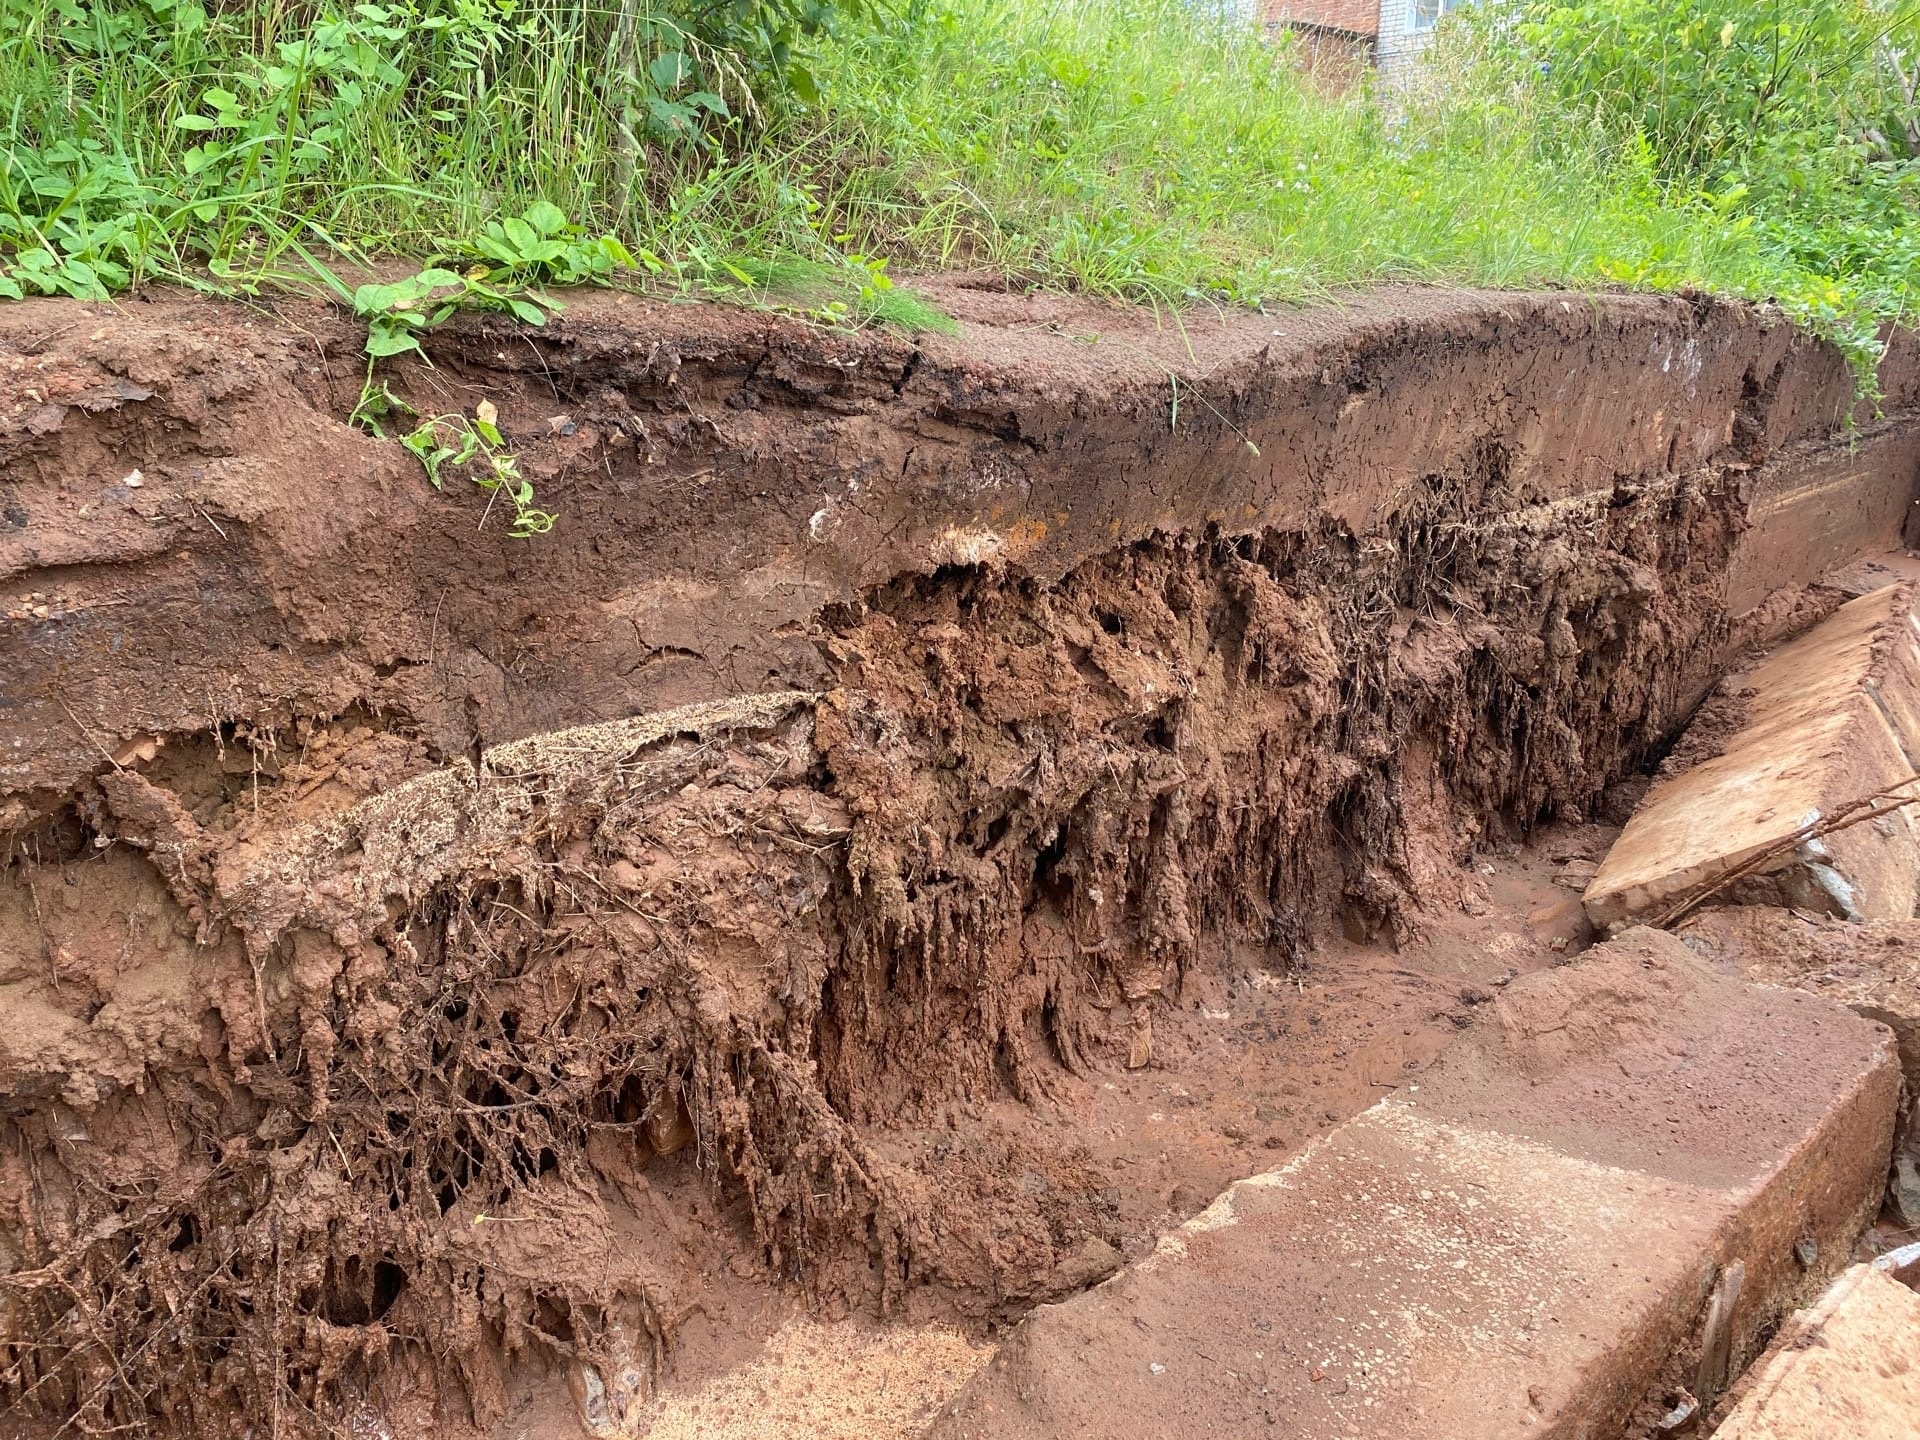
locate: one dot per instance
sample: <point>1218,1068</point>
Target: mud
<point>434,960</point>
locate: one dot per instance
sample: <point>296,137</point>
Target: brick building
<point>1387,33</point>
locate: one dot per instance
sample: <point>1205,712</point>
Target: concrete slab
<point>1522,1245</point>
<point>1832,718</point>
<point>1872,968</point>
<point>1849,1367</point>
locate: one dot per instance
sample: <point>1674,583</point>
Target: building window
<point>1427,13</point>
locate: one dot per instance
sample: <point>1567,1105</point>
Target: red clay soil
<point>405,1000</point>
<point>1518,1246</point>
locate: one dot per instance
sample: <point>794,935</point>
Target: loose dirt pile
<point>367,954</point>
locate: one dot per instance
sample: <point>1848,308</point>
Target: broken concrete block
<point>1832,719</point>
<point>1872,968</point>
<point>1522,1245</point>
<point>1844,1368</point>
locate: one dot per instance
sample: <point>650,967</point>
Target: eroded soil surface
<point>929,818</point>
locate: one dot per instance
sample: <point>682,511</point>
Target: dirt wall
<point>723,476</point>
<point>886,724</point>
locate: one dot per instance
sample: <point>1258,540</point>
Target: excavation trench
<point>437,966</point>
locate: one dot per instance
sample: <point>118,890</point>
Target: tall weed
<point>1159,150</point>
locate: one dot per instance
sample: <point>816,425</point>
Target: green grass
<point>1144,149</point>
<point>1130,149</point>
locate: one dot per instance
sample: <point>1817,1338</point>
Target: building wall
<point>1332,40</point>
<point>1402,35</point>
<point>1356,17</point>
<point>1389,33</point>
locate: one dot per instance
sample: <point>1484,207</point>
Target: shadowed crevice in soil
<point>346,1042</point>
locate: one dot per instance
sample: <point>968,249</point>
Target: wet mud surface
<point>930,817</point>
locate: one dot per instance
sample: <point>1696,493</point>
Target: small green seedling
<point>476,445</point>
<point>538,245</point>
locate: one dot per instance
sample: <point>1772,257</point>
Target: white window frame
<point>1423,15</point>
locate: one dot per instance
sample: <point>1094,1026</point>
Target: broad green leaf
<point>369,298</point>
<point>520,235</point>
<point>669,71</point>
<point>546,217</point>
<point>675,119</point>
<point>383,343</point>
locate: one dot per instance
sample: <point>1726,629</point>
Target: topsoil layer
<point>425,951</point>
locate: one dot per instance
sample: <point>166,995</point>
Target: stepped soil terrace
<point>931,815</point>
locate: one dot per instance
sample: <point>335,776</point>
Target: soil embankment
<point>431,954</point>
